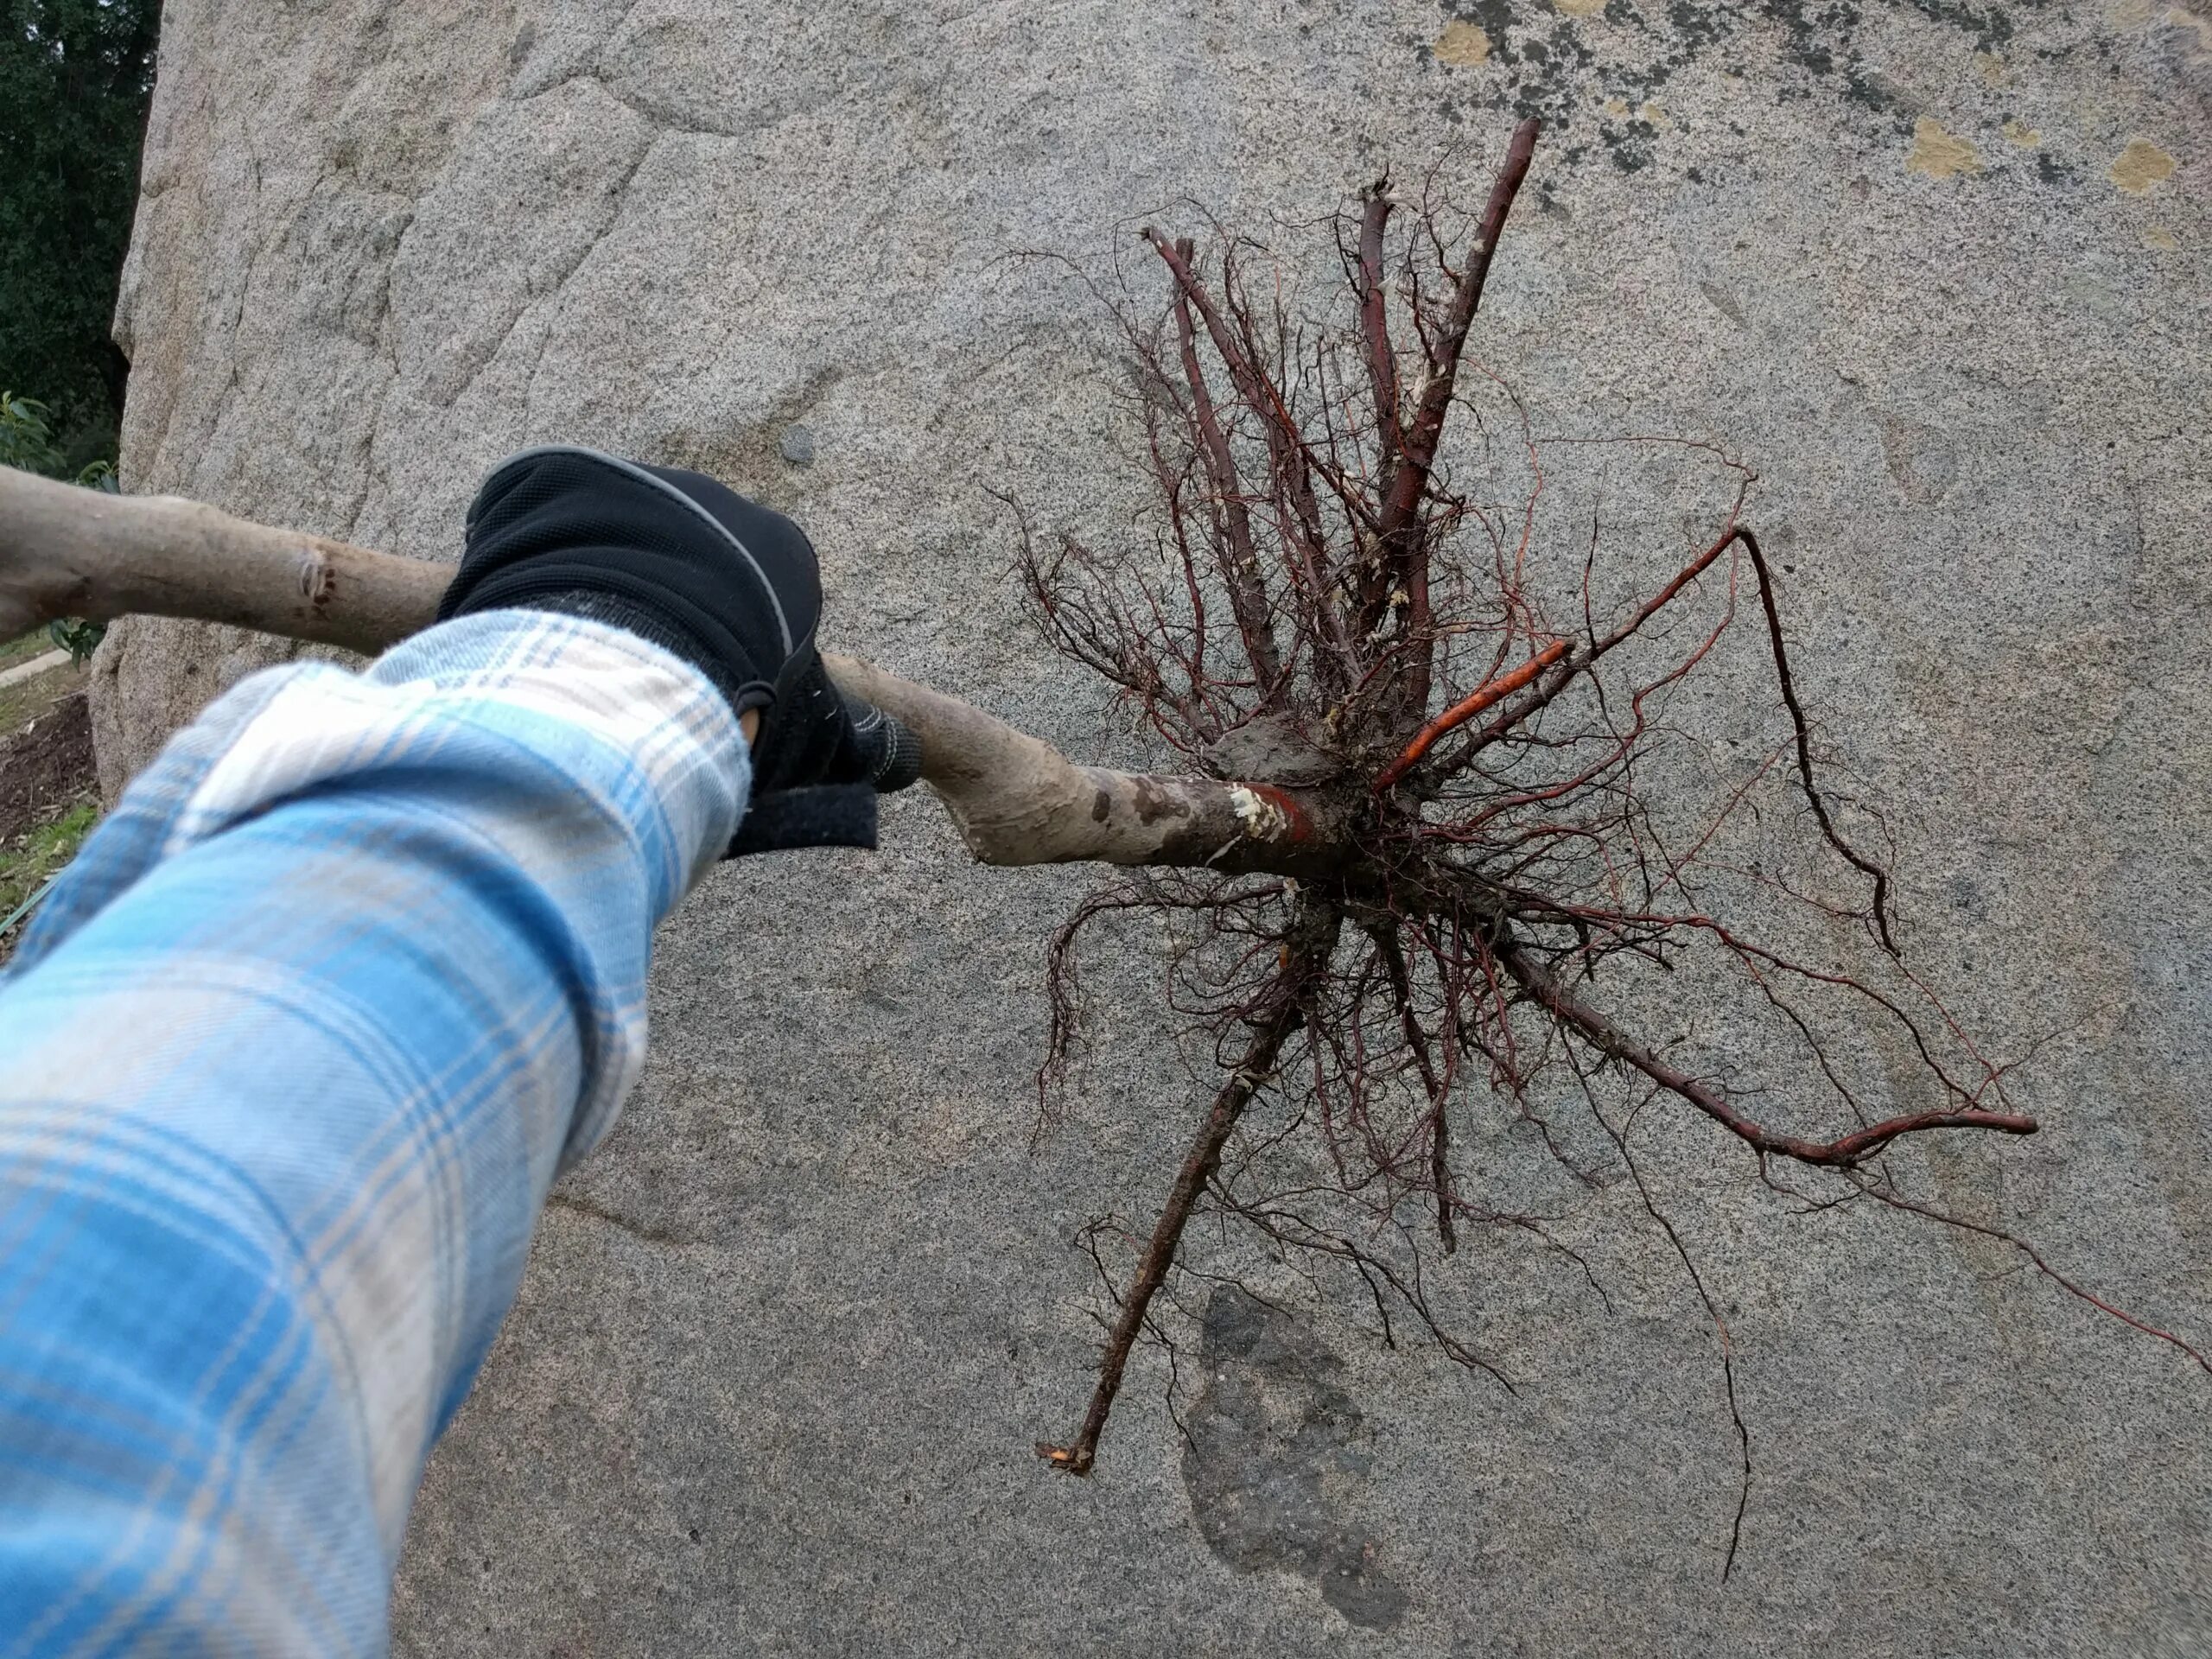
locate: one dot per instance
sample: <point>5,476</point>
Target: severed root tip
<point>1068,1459</point>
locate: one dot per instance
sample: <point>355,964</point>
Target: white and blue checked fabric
<point>288,1062</point>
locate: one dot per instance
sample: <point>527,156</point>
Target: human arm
<point>294,1052</point>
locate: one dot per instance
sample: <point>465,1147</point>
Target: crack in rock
<point>643,1232</point>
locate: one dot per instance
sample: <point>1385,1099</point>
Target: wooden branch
<point>1374,319</point>
<point>1417,454</point>
<point>1491,691</point>
<point>72,552</point>
<point>1199,1163</point>
<point>66,551</point>
<point>1409,458</point>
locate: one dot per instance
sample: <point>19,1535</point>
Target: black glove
<point>728,585</point>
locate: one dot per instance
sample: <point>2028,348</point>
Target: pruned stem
<point>1418,455</point>
<point>1400,532</point>
<point>1374,318</point>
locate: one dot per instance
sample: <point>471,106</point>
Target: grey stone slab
<point>785,1344</point>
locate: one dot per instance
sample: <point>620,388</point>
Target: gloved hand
<point>728,585</point>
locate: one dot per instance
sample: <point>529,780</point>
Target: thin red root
<point>1465,710</point>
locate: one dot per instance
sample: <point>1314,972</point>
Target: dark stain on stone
<point>1991,26</point>
<point>1921,458</point>
<point>2050,169</point>
<point>1631,143</point>
<point>1552,71</point>
<point>1276,1457</point>
<point>1806,32</point>
<point>1872,89</point>
<point>1721,301</point>
<point>1103,808</point>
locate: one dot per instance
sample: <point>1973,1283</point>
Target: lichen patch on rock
<point>2141,166</point>
<point>1940,153</point>
<point>1464,46</point>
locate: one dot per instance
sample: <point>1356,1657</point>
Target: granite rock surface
<point>1940,269</point>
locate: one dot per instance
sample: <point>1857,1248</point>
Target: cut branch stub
<point>1018,800</point>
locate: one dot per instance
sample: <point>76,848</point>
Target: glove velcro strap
<point>821,815</point>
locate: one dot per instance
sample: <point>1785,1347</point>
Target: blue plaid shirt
<point>292,1053</point>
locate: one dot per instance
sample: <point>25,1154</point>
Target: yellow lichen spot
<point>2141,165</point>
<point>2177,18</point>
<point>1463,46</point>
<point>2131,14</point>
<point>1616,107</point>
<point>1656,115</point>
<point>1990,68</point>
<point>1940,154</point>
<point>2163,239</point>
<point>2021,133</point>
<point>1579,7</point>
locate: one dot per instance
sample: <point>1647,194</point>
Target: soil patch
<point>46,767</point>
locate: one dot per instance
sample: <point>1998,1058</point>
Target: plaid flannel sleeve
<point>292,1054</point>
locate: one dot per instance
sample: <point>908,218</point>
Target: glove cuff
<point>656,625</point>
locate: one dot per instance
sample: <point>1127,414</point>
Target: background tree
<point>74,80</point>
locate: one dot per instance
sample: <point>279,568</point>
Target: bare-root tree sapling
<point>1479,849</point>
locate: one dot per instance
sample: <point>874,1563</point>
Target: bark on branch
<point>71,552</point>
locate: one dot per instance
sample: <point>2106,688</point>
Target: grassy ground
<point>37,853</point>
<point>31,851</point>
<point>27,699</point>
<point>21,648</point>
<point>29,858</point>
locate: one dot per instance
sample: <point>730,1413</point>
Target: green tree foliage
<point>74,79</point>
<point>27,436</point>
